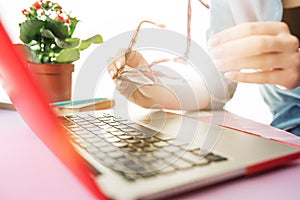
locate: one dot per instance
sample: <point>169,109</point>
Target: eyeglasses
<point>146,70</point>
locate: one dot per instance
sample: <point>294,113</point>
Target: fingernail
<point>112,73</point>
<point>213,41</point>
<point>230,75</point>
<point>118,65</point>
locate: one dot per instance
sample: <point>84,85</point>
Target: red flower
<point>68,21</point>
<point>37,5</point>
<point>24,11</point>
<point>60,18</point>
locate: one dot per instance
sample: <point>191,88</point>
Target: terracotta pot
<point>54,79</point>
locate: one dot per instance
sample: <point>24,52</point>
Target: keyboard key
<point>93,139</point>
<point>163,137</point>
<point>195,159</point>
<point>181,164</point>
<point>147,174</point>
<point>108,161</point>
<point>115,154</point>
<point>91,149</point>
<point>99,124</point>
<point>112,139</point>
<point>107,148</point>
<point>118,133</point>
<point>158,164</point>
<point>168,169</point>
<point>150,148</point>
<point>121,127</point>
<point>132,141</point>
<point>87,135</point>
<point>160,144</point>
<point>120,144</point>
<point>151,140</point>
<point>136,133</point>
<point>171,148</point>
<point>100,155</point>
<point>124,137</point>
<point>214,157</point>
<point>112,129</point>
<point>161,154</point>
<point>131,176</point>
<point>100,144</point>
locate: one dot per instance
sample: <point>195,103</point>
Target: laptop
<point>150,157</point>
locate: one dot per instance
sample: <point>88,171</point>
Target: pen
<point>77,102</point>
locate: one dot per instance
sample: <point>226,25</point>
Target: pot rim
<point>50,68</point>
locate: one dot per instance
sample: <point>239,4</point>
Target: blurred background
<point>113,17</point>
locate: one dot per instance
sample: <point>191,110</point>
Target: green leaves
<point>74,22</point>
<point>67,43</point>
<point>59,29</point>
<point>72,54</point>
<point>68,55</point>
<point>30,30</point>
<point>34,28</point>
<point>97,39</point>
<point>71,46</point>
<point>51,39</point>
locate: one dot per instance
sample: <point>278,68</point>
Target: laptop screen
<point>34,108</point>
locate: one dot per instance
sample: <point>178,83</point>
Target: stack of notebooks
<point>66,107</point>
<point>6,105</point>
<point>5,102</point>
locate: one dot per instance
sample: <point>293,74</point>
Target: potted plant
<point>50,48</point>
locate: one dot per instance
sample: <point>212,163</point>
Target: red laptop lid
<point>34,108</point>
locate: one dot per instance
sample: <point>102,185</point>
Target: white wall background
<point>111,17</point>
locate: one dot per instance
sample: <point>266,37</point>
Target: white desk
<point>30,171</point>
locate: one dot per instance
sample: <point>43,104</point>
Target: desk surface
<point>29,170</point>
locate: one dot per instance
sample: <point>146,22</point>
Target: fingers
<point>289,78</point>
<point>255,45</point>
<point>253,77</point>
<point>259,62</point>
<point>267,48</point>
<point>248,29</point>
<point>135,59</point>
<point>132,59</point>
<point>115,65</point>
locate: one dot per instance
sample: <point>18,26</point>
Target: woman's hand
<point>132,59</point>
<point>192,96</point>
<point>144,95</point>
<point>266,48</point>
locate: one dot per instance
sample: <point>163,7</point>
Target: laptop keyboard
<point>132,150</point>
